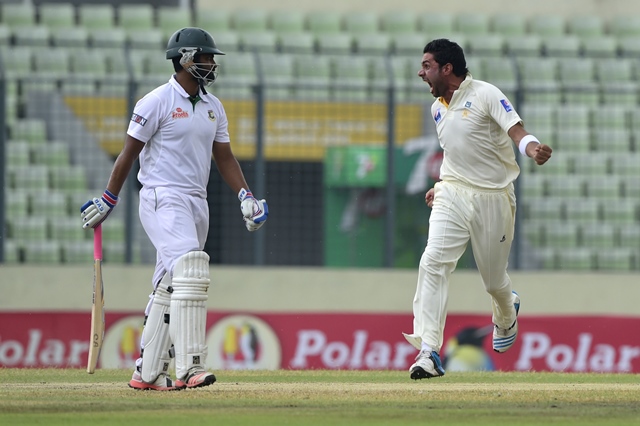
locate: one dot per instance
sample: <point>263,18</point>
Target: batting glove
<point>95,211</point>
<point>254,212</point>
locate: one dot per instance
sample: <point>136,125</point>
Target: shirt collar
<point>176,86</point>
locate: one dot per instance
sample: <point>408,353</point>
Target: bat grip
<point>97,242</point>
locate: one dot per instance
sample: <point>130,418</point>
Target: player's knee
<point>191,276</point>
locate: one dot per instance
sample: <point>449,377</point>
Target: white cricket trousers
<point>176,224</point>
<point>461,213</point>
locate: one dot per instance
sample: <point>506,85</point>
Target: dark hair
<point>448,52</point>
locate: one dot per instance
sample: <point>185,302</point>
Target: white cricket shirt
<point>472,131</point>
<point>178,137</point>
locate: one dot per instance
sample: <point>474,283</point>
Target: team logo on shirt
<point>139,119</point>
<point>467,104</point>
<point>212,116</point>
<point>437,116</point>
<point>506,105</point>
<point>179,113</point>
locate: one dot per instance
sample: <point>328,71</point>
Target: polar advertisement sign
<point>244,340</point>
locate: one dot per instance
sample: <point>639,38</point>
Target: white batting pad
<point>189,311</point>
<point>155,342</point>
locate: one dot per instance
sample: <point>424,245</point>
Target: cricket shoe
<point>162,383</point>
<point>427,365</point>
<point>196,378</point>
<point>504,338</point>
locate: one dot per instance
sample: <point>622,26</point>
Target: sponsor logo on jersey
<point>437,116</point>
<point>467,104</point>
<point>139,119</point>
<point>179,113</point>
<point>212,116</point>
<point>506,105</point>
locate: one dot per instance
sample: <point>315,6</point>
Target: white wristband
<point>526,141</point>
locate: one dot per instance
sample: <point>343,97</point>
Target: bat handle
<point>97,242</point>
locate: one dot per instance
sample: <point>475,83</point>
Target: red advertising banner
<point>239,340</point>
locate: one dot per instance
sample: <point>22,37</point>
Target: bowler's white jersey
<point>178,137</point>
<point>472,131</point>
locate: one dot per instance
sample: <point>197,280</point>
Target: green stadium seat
<point>114,252</point>
<point>107,37</point>
<point>48,203</point>
<point>629,235</point>
<point>351,78</point>
<point>287,22</point>
<point>96,16</point>
<point>11,251</point>
<point>533,185</point>
<point>626,164</point>
<point>629,46</point>
<point>547,258</point>
<point>361,22</point>
<point>18,14</point>
<point>544,208</point>
<point>580,259</point>
<point>573,117</point>
<point>620,93</point>
<point>77,251</point>
<point>585,26</point>
<point>475,65</point>
<point>600,47</point>
<point>569,186</point>
<point>539,79</point>
<point>114,231</point>
<point>614,117</point>
<point>599,235</point>
<point>509,24</point>
<point>634,116</point>
<point>561,235</point>
<point>533,232</point>
<point>617,259</point>
<point>410,43</point>
<point>261,41</point>
<point>620,211</point>
<point>249,20</point>
<point>146,38</point>
<point>89,62</point>
<point>281,72</point>
<point>501,72</point>
<point>612,140</point>
<point>29,228</point>
<point>604,187</point>
<point>303,42</point>
<point>559,164</point>
<point>631,187</point>
<point>312,77</point>
<point>68,229</point>
<point>590,164</point>
<point>58,15</point>
<point>338,43</point>
<point>372,44</point>
<point>213,20</point>
<point>398,22</point>
<point>547,25</point>
<point>138,16</point>
<point>487,45</point>
<point>619,70</point>
<point>17,203</point>
<point>18,153</point>
<point>472,23</point>
<point>5,35</point>
<point>33,36</point>
<point>52,153</point>
<point>324,22</point>
<point>538,117</point>
<point>573,140</point>
<point>527,45</point>
<point>47,252</point>
<point>583,210</point>
<point>237,75</point>
<point>69,178</point>
<point>562,46</point>
<point>171,19</point>
<point>157,65</point>
<point>436,22</point>
<point>70,37</point>
<point>53,62</point>
<point>227,41</point>
<point>32,130</point>
<point>625,25</point>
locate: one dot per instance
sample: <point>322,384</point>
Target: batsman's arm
<point>228,166</point>
<point>124,162</point>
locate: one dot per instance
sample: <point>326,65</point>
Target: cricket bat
<point>97,310</point>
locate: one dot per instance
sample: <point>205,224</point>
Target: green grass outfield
<point>73,397</point>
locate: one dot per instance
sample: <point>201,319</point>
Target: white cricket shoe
<point>162,383</point>
<point>196,378</point>
<point>504,338</point>
<point>427,365</point>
